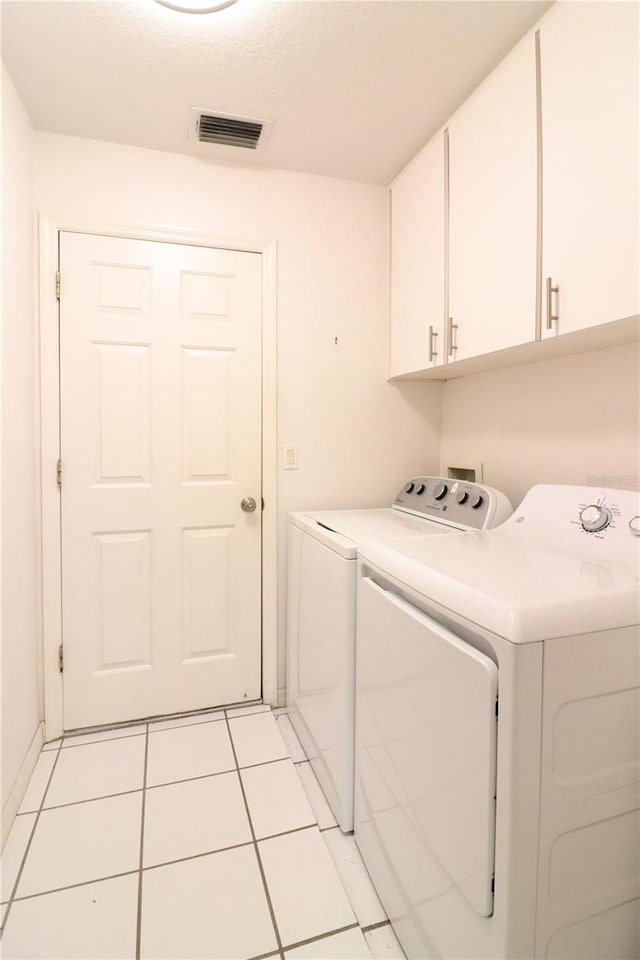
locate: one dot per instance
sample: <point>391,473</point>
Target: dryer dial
<point>440,491</point>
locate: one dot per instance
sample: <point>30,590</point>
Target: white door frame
<point>50,227</point>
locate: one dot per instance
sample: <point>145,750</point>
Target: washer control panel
<point>597,522</point>
<point>455,502</point>
<point>595,517</point>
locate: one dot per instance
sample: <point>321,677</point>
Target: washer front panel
<point>428,736</point>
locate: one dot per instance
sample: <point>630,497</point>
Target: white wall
<point>20,622</point>
<point>358,436</point>
<point>558,421</point>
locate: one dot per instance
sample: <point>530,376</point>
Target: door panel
<point>160,353</point>
<point>426,754</point>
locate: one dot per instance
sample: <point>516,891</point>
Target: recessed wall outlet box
<point>289,456</point>
<point>468,474</point>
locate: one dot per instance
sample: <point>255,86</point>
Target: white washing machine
<point>497,798</point>
<point>322,611</point>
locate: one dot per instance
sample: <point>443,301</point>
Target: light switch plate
<point>289,456</point>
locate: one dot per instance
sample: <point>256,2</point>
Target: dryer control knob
<point>420,489</point>
<point>477,501</point>
<point>409,488</point>
<point>440,491</point>
<point>634,526</point>
<point>462,497</point>
<point>594,518</point>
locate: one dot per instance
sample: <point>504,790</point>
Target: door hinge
<point>59,473</point>
<point>57,284</point>
<point>60,659</point>
<point>493,883</point>
<point>497,708</point>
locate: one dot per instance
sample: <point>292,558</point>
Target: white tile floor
<point>186,838</point>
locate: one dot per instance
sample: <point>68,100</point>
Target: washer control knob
<point>634,526</point>
<point>594,518</point>
<point>477,501</point>
<point>409,487</point>
<point>462,497</point>
<point>440,491</point>
<point>420,489</point>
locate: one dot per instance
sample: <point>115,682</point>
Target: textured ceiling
<point>355,88</point>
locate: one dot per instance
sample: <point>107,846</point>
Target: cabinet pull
<point>550,292</point>
<point>432,337</point>
<point>453,346</point>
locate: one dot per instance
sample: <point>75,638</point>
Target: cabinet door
<point>589,66</point>
<point>493,210</point>
<point>417,263</point>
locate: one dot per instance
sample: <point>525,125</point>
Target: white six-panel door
<point>160,406</point>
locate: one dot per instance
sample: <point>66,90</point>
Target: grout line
<point>265,763</point>
<point>202,776</point>
<point>263,956</point>
<point>12,896</point>
<point>74,886</point>
<point>198,856</point>
<point>322,936</point>
<point>198,719</point>
<point>75,803</point>
<point>92,743</point>
<point>285,833</point>
<point>140,867</point>
<point>250,713</point>
<point>157,866</point>
<point>183,726</point>
<point>153,786</point>
<point>327,829</point>
<point>255,847</point>
<point>376,926</point>
<point>143,721</point>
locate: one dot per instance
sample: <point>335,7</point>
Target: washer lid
<point>519,590</point>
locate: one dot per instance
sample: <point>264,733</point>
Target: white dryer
<point>497,800</point>
<point>321,618</point>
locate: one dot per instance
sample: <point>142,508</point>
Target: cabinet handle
<point>432,337</point>
<point>550,292</point>
<point>453,346</point>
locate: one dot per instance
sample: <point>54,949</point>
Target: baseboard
<point>13,801</point>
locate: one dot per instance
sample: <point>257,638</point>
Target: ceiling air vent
<point>228,131</point>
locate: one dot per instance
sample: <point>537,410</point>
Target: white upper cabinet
<point>417,199</point>
<point>493,210</point>
<point>589,67</point>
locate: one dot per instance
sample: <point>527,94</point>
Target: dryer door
<point>427,730</point>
